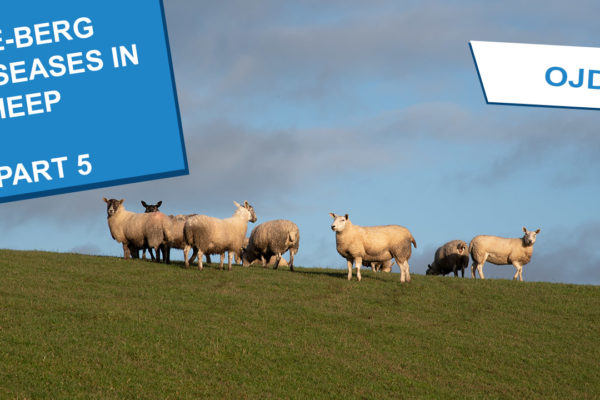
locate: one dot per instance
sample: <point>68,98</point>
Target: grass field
<point>74,326</point>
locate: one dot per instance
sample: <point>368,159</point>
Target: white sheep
<point>373,244</point>
<point>178,240</point>
<point>134,230</point>
<point>450,257</point>
<point>272,238</point>
<point>209,235</point>
<point>502,251</point>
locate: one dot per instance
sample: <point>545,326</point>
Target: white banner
<point>539,75</point>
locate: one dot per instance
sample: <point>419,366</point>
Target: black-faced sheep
<point>451,257</point>
<point>272,238</point>
<point>135,230</point>
<point>209,235</point>
<point>148,209</point>
<point>373,244</point>
<point>502,251</point>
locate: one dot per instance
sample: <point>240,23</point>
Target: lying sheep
<point>272,238</point>
<point>502,251</point>
<point>135,230</point>
<point>372,244</point>
<point>450,257</point>
<point>385,266</point>
<point>216,236</point>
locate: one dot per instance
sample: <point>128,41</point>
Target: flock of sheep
<point>377,247</point>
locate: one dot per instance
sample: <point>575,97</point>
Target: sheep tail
<point>471,247</point>
<point>413,241</point>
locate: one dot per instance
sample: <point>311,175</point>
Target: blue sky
<point>367,108</point>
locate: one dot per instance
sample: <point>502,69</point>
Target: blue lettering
<point>591,79</point>
<point>578,84</point>
<point>562,71</point>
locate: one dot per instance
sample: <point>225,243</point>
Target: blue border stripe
<point>96,185</point>
<point>164,19</point>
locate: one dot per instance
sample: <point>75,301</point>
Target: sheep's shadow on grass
<point>343,274</point>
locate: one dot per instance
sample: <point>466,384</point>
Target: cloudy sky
<point>368,108</point>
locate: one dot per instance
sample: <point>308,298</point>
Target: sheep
<point>385,266</point>
<point>272,238</point>
<point>216,236</point>
<point>373,244</point>
<point>450,257</point>
<point>136,230</point>
<point>150,208</point>
<point>178,241</point>
<point>502,251</point>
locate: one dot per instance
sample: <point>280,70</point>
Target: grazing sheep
<point>372,244</point>
<point>502,251</point>
<point>151,208</point>
<point>135,230</point>
<point>450,257</point>
<point>272,238</point>
<point>216,236</point>
<point>385,266</point>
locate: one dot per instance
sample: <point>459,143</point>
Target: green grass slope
<point>75,326</point>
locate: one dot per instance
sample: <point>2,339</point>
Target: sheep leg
<point>194,255</point>
<point>473,270</point>
<point>480,270</point>
<point>222,255</point>
<point>208,259</point>
<point>277,259</point>
<point>519,272</point>
<point>404,271</point>
<point>126,253</point>
<point>349,269</point>
<point>167,254</point>
<point>401,266</point>
<point>230,259</point>
<point>358,263</point>
<point>291,260</point>
<point>200,254</point>
<point>263,261</point>
<point>186,251</point>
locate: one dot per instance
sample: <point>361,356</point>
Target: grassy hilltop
<point>74,326</point>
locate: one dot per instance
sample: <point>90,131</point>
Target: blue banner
<point>87,97</point>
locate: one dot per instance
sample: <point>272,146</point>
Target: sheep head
<point>529,237</point>
<point>151,207</point>
<point>112,206</point>
<point>339,222</point>
<point>246,209</point>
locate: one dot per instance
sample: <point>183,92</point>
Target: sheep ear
<point>236,204</point>
<point>144,203</point>
<point>332,215</point>
<point>524,229</point>
<point>537,231</point>
<point>105,200</point>
<point>246,203</point>
<point>121,201</point>
<point>347,216</point>
<point>159,204</point>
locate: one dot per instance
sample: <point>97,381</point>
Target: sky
<point>368,108</point>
